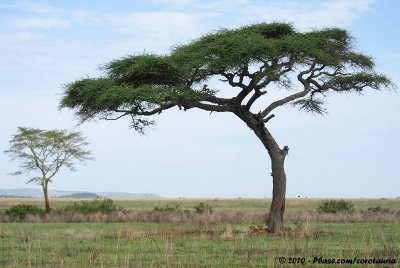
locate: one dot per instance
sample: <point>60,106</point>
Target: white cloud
<point>158,21</point>
<point>333,13</point>
<point>184,3</point>
<point>39,22</point>
<point>30,7</point>
<point>86,17</point>
<point>195,4</point>
<point>166,28</point>
<point>36,7</point>
<point>8,39</point>
<point>18,50</point>
<point>305,15</point>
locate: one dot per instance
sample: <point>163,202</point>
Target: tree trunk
<point>46,198</point>
<point>277,155</point>
<point>275,216</point>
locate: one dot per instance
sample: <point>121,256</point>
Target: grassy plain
<point>217,240</point>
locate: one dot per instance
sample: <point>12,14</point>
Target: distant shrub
<point>377,210</point>
<point>98,205</point>
<point>169,208</point>
<point>203,208</point>
<point>22,210</point>
<point>335,206</point>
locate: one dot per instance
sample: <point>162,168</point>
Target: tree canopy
<point>248,58</point>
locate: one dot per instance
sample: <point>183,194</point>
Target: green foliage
<point>168,208</point>
<point>103,97</point>
<point>230,50</point>
<point>377,210</point>
<point>21,210</point>
<point>203,208</point>
<point>310,105</point>
<point>98,205</point>
<point>358,81</point>
<point>44,152</point>
<point>95,96</point>
<point>335,206</point>
<point>233,50</point>
<point>147,69</point>
<point>250,57</point>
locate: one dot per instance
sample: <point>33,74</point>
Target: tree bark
<point>46,198</point>
<point>277,155</point>
<point>275,216</point>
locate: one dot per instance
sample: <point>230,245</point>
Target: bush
<point>202,208</point>
<point>376,210</point>
<point>335,206</point>
<point>173,208</point>
<point>22,210</point>
<point>98,205</point>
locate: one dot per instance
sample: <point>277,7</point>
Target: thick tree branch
<point>268,118</point>
<point>135,111</point>
<point>283,101</point>
<point>307,89</point>
<point>243,94</point>
<point>209,107</point>
<point>292,97</point>
<point>230,78</point>
<point>258,93</point>
<point>222,105</point>
<point>262,73</point>
<point>220,101</point>
<point>314,70</point>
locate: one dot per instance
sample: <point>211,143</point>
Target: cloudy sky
<point>351,152</point>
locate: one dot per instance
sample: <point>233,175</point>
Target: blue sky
<point>351,152</point>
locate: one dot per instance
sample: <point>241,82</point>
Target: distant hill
<point>30,192</point>
<point>21,192</point>
<point>79,195</point>
<point>127,195</point>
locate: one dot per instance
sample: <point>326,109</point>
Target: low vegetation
<point>98,205</point>
<point>168,208</point>
<point>170,233</point>
<point>377,210</point>
<point>335,206</point>
<point>22,210</point>
<point>203,208</point>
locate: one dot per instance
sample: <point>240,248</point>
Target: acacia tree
<point>251,59</point>
<point>43,153</point>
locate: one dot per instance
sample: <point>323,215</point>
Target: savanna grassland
<point>139,236</point>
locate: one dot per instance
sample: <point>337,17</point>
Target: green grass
<point>197,243</point>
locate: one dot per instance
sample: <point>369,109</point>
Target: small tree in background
<point>253,60</point>
<point>42,153</point>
